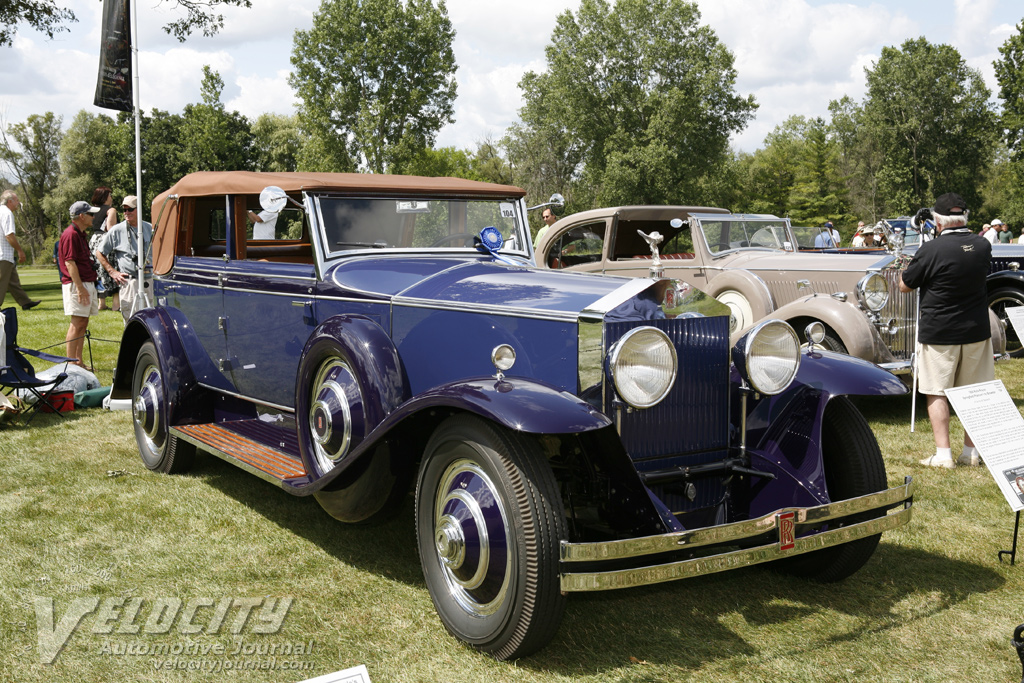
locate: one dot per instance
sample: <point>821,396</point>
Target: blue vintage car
<point>562,431</point>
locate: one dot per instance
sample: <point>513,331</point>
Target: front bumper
<point>783,523</point>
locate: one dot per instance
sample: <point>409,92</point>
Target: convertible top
<point>164,214</point>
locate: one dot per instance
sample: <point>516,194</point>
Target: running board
<point>245,444</point>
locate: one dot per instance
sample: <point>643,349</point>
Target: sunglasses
<point>126,209</point>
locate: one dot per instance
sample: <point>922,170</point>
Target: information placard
<point>997,429</point>
<point>1016,317</point>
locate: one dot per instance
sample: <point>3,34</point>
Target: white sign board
<point>1016,317</point>
<point>997,429</point>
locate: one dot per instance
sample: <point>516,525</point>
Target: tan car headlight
<point>873,292</point>
<point>768,356</point>
<point>643,366</point>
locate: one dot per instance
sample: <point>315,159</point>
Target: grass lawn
<point>85,521</point>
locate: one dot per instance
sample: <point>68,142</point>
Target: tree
<point>86,162</point>
<point>930,115</point>
<point>1005,188</point>
<point>29,153</point>
<point>213,138</point>
<point>49,18</point>
<point>376,81</point>
<point>637,103</point>
<point>819,193</point>
<point>276,142</point>
<point>859,159</point>
<point>1010,75</point>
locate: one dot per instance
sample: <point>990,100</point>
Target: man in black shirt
<point>955,340</point>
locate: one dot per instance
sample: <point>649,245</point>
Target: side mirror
<point>557,201</point>
<point>274,199</point>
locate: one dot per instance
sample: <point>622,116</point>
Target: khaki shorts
<point>72,306</point>
<point>944,366</point>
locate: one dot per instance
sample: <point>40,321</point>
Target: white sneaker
<point>936,461</point>
<point>969,460</point>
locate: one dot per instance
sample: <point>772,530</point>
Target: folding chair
<point>19,373</point>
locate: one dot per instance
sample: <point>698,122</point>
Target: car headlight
<point>873,291</point>
<point>768,356</point>
<point>643,366</point>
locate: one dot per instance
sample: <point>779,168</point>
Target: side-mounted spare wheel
<point>335,411</point>
<point>489,521</point>
<point>160,450</point>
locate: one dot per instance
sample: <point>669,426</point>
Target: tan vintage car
<point>754,265</point>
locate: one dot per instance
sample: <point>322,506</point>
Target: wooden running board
<point>225,441</point>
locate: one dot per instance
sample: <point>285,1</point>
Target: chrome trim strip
<point>643,576</point>
<point>185,270</point>
<point>900,367</point>
<point>532,313</point>
<point>628,290</point>
<point>284,409</point>
<point>650,545</point>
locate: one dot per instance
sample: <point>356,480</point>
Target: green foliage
<point>86,162</point>
<point>276,141</point>
<point>637,104</point>
<point>44,16</point>
<point>376,81</point>
<point>48,17</point>
<point>1010,75</point>
<point>29,152</point>
<point>213,138</point>
<point>439,163</point>
<point>930,116</point>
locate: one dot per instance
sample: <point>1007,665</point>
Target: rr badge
<point>787,530</point>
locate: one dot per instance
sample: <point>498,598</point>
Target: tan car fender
<point>746,295</point>
<point>849,323</point>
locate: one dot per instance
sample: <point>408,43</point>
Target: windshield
<point>348,223</point>
<point>736,232</point>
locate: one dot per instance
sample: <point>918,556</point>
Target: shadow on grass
<point>680,624</point>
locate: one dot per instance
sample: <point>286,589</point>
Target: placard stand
<point>996,427</point>
<point>1012,552</point>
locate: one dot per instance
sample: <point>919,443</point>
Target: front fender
<point>518,404</point>
<point>1005,278</point>
<point>840,375</point>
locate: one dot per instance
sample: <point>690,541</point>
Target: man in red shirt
<point>78,278</point>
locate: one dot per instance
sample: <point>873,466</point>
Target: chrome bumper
<point>781,520</point>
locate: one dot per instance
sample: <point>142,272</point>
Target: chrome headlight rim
<point>750,373</point>
<point>629,394</point>
<point>868,294</point>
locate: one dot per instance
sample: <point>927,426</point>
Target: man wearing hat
<point>864,233</point>
<point>954,337</point>
<point>78,278</point>
<point>118,253</point>
<point>993,232</point>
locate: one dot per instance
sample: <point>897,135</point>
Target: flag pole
<point>141,300</point>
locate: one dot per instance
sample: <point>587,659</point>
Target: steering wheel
<point>467,236</point>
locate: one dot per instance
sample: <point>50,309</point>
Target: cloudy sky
<point>794,56</point>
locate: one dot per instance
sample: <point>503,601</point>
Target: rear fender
<point>186,400</point>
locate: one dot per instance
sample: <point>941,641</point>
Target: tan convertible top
<point>165,216</point>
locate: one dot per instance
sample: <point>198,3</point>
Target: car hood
<point>759,260</point>
<point>482,283</point>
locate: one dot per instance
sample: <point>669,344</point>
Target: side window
<point>629,244</point>
<point>579,244</point>
<point>680,245</point>
<point>209,227</point>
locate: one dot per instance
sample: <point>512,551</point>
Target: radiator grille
<point>694,416</point>
<point>903,309</point>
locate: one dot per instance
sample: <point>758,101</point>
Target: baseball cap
<point>131,201</point>
<point>950,204</point>
<point>78,208</point>
<point>996,222</point>
<point>828,224</point>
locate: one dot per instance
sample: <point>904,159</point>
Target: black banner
<point>114,83</point>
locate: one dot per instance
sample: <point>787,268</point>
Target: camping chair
<point>19,373</point>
